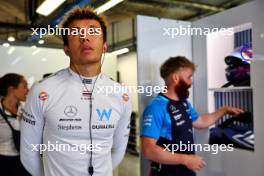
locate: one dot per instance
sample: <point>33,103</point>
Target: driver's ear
<point>66,50</point>
<point>105,46</point>
<point>10,89</point>
<point>175,77</point>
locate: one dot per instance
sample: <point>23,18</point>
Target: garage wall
<point>127,67</point>
<point>238,162</point>
<point>153,48</point>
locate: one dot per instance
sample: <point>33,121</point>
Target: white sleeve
<point>121,135</point>
<point>31,133</point>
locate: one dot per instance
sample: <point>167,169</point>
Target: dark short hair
<point>8,80</point>
<point>81,14</point>
<point>174,64</point>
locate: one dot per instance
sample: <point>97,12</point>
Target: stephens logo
<point>70,111</point>
<point>43,96</point>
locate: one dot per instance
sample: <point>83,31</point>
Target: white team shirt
<point>57,112</point>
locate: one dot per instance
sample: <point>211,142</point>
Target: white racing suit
<point>56,115</point>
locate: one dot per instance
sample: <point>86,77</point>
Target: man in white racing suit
<point>69,118</point>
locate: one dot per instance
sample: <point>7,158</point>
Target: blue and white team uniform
<point>169,122</point>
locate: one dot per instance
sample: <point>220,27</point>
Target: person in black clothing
<point>13,90</point>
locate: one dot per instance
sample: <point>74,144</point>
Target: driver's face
<point>85,49</point>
